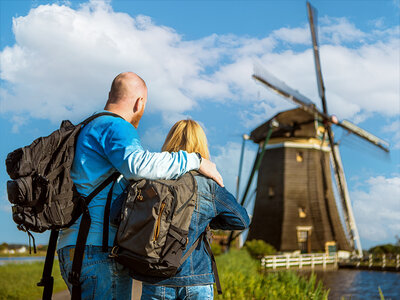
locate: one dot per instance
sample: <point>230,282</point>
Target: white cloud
<point>377,208</point>
<point>340,30</point>
<point>64,60</point>
<point>154,138</point>
<point>293,35</point>
<point>394,128</point>
<point>227,161</point>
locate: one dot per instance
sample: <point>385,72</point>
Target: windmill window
<point>271,191</point>
<point>299,156</point>
<point>302,212</point>
<point>302,236</point>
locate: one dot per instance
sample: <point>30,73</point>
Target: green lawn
<point>18,281</point>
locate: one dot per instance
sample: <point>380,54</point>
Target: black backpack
<point>154,225</point>
<point>43,194</point>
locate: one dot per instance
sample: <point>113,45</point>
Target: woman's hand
<point>209,169</point>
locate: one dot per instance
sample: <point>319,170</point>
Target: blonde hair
<point>187,135</point>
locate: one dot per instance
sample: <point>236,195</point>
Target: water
<point>22,259</point>
<point>357,285</point>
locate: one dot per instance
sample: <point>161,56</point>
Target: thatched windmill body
<point>295,207</point>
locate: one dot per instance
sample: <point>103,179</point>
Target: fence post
<point>274,262</point>
<point>370,261</point>
<point>301,261</point>
<point>383,261</point>
<point>336,260</point>
<point>324,261</point>
<point>312,261</point>
<point>263,262</point>
<point>287,262</point>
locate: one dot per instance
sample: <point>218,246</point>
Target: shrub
<point>216,249</point>
<point>259,248</point>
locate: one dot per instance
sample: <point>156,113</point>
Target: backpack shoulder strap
<point>205,236</point>
<point>213,262</point>
<point>105,113</point>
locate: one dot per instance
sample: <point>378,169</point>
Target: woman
<point>215,207</point>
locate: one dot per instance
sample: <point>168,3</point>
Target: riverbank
<point>241,279</point>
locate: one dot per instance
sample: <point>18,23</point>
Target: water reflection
<point>357,285</point>
<point>24,259</point>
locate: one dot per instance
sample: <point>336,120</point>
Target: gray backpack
<point>154,226</point>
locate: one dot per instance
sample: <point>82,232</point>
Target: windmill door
<point>304,238</point>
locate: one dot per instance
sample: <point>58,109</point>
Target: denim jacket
<point>215,207</point>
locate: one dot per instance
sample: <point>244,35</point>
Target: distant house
<point>22,249</point>
<point>13,248</point>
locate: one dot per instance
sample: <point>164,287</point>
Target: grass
<point>241,279</point>
<point>18,281</point>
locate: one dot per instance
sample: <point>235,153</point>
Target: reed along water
<point>360,285</point>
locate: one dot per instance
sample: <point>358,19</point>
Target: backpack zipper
<point>158,223</point>
<point>139,195</point>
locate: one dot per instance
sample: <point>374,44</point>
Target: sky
<point>58,58</point>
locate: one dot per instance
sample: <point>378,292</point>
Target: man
<point>105,145</point>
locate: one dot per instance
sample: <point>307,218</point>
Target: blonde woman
<point>215,207</point>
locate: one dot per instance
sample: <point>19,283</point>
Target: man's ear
<point>138,105</point>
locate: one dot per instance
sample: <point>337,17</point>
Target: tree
<point>3,247</point>
<point>259,248</point>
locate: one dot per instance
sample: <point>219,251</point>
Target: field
<point>239,273</point>
<point>18,281</point>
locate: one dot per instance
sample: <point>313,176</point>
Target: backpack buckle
<point>114,251</point>
<point>73,278</point>
<point>83,205</point>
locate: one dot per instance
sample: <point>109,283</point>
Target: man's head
<point>128,97</point>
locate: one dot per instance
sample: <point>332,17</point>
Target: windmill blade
<point>313,28</point>
<point>269,80</point>
<point>350,220</point>
<point>340,184</point>
<point>352,128</point>
<point>278,86</point>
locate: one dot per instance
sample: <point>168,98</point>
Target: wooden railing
<point>299,261</point>
<point>383,261</point>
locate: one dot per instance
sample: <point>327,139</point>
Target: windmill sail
<point>314,35</point>
<point>350,127</point>
<point>263,76</point>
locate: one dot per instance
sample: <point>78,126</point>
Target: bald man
<point>106,145</point>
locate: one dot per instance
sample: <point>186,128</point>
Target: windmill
<point>295,207</point>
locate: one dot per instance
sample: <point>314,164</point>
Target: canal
<point>357,285</point>
<point>20,259</point>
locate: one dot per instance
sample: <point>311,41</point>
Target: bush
<point>216,249</point>
<point>259,248</point>
<point>385,249</point>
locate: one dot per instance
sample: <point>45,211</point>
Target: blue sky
<point>58,58</point>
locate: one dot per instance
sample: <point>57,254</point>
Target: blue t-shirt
<point>109,144</point>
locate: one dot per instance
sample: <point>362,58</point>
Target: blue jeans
<point>101,277</point>
<point>193,292</point>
